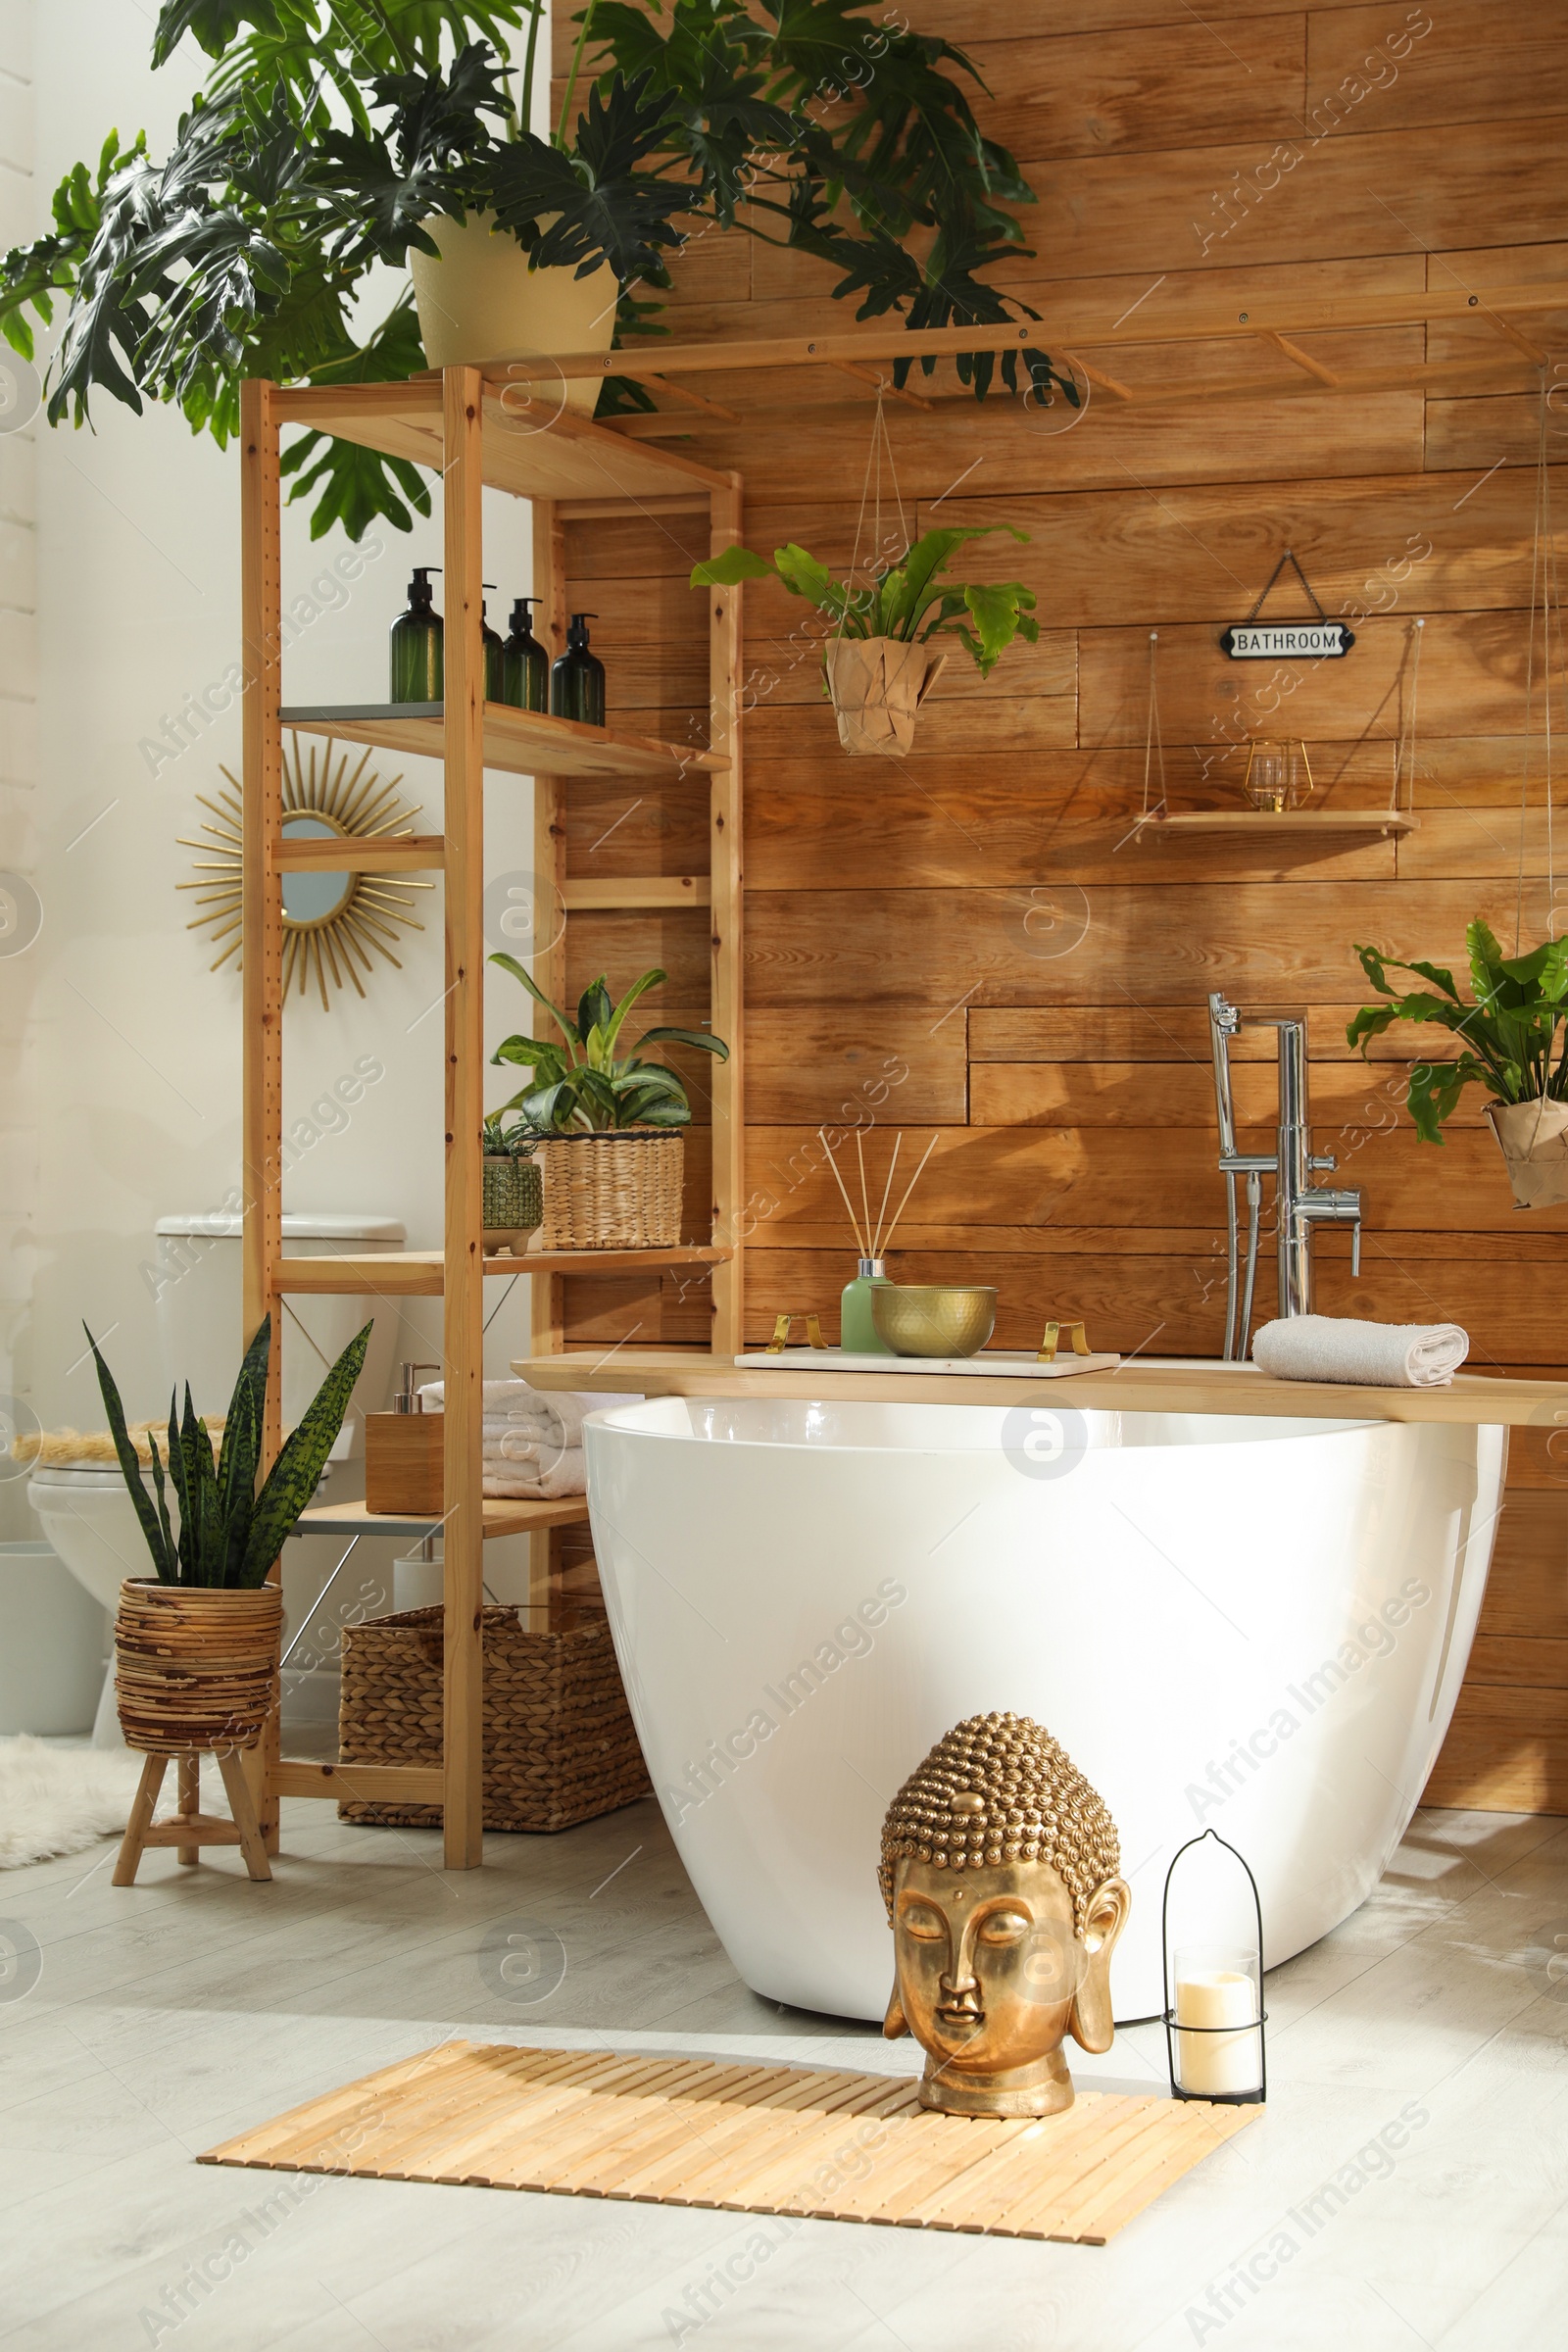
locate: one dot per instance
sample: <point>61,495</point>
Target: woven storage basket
<point>617,1191</point>
<point>195,1666</point>
<point>558,1744</point>
<point>514,1202</point>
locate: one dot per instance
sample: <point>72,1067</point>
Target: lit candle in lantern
<point>1217,1990</point>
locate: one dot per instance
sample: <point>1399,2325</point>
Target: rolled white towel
<point>1374,1356</point>
<point>542,1482</point>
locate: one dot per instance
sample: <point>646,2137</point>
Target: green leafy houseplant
<point>911,603</point>
<point>331,131</point>
<point>584,1085</point>
<point>1508,1036</point>
<point>229,1535</point>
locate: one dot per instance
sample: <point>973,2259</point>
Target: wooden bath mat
<point>741,2138</point>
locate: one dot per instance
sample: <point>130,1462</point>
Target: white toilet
<point>87,1515</point>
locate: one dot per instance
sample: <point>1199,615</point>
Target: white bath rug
<point>58,1800</point>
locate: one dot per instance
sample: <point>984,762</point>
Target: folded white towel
<point>555,1419</point>
<point>1375,1355</point>
<point>522,1481</point>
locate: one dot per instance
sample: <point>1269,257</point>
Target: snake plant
<point>1508,1036</point>
<point>908,601</point>
<point>586,1087</point>
<point>229,1535</point>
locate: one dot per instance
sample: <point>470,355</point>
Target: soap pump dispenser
<point>577,679</point>
<point>417,669</point>
<point>525,665</point>
<point>494,664</point>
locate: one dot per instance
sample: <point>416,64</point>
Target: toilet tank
<point>199,1305</point>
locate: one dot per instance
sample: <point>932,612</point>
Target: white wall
<point>119,1051</point>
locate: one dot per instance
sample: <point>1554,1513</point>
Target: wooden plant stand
<point>191,1829</point>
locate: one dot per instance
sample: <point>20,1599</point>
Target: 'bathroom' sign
<point>1255,641</point>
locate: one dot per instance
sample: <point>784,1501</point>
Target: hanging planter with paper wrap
<point>610,1150</point>
<point>1510,1043</point>
<point>883,658</point>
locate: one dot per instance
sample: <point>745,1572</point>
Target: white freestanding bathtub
<point>1255,1625</point>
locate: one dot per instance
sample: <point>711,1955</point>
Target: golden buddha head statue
<point>999,1871</point>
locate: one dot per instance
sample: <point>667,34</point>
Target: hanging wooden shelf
<point>524,743</point>
<point>1287,824</point>
<point>421,1273</point>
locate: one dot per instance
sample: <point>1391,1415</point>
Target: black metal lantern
<point>1216,2007</point>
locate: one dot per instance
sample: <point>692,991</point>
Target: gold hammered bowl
<point>933,1318</point>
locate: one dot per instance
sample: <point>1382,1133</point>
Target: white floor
<point>1408,2185</point>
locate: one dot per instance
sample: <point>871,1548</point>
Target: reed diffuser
<point>857,1334</point>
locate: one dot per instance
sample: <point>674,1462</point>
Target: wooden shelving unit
<point>470,435</point>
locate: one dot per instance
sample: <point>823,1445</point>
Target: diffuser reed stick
<point>882,1211</point>
<point>907,1190</point>
<point>866,1201</point>
<point>859,1243</point>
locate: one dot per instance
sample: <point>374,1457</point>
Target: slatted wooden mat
<point>741,2138</point>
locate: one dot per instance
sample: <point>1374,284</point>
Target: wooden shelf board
<point>524,743</point>
<point>531,453</point>
<point>402,854</point>
<point>1197,1388</point>
<point>653,890</point>
<point>385,1784</point>
<point>420,1273</point>
<point>1262,824</point>
<point>501,1518</point>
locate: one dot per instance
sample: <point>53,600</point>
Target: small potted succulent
<point>1510,1043</point>
<point>885,654</point>
<point>608,1122</point>
<point>513,1189</point>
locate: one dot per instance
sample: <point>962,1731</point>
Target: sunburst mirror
<point>331,920</point>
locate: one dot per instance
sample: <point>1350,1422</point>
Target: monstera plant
<point>229,1533</point>
<point>333,135</point>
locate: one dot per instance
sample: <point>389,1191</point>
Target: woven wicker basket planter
<point>617,1191</point>
<point>558,1742</point>
<point>195,1667</point>
<point>513,1201</point>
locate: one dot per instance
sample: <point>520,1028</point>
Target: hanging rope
<point>881,443</point>
<point>1153,741</point>
<point>1405,745</point>
<point>1544,602</point>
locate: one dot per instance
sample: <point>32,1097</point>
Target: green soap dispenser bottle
<point>525,665</point>
<point>417,665</point>
<point>494,659</point>
<point>577,679</point>
<point>857,1334</point>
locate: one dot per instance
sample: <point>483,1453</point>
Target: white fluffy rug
<point>57,1800</point>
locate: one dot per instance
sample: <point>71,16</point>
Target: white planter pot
<point>1534,1138</point>
<point>877,685</point>
<point>482,302</point>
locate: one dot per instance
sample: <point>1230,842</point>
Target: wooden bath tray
<point>741,2138</point>
<point>1017,1364</point>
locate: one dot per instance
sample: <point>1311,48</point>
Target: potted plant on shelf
<point>884,655</point>
<point>514,1190</point>
<point>608,1122</point>
<point>333,140</point>
<point>1508,1044</point>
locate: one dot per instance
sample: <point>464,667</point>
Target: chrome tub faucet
<point>1300,1204</point>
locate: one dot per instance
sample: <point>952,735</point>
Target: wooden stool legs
<point>191,1829</point>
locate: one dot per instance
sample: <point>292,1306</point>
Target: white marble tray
<point>1015,1362</point>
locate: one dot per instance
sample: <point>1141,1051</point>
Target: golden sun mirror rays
<point>331,920</point>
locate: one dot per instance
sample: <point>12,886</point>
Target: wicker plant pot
<point>877,685</point>
<point>618,1191</point>
<point>513,1201</point>
<point>558,1744</point>
<point>1534,1139</point>
<point>195,1667</point>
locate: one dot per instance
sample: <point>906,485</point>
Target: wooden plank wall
<point>968,944</point>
